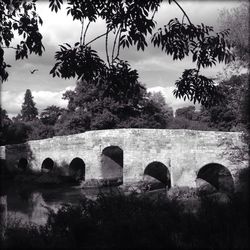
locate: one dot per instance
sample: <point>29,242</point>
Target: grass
<point>132,221</point>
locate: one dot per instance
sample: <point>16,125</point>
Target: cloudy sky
<point>156,70</point>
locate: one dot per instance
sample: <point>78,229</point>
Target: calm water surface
<point>29,204</point>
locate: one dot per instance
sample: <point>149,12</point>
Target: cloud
<point>12,101</point>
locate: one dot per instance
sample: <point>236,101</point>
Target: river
<point>29,204</point>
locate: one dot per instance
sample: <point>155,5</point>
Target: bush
<point>134,221</point>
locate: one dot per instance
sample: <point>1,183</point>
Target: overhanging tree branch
<point>96,38</point>
<point>106,46</point>
<point>85,32</point>
<point>119,45</point>
<point>115,41</point>
<point>134,22</point>
<point>183,11</point>
<point>81,36</point>
<point>10,47</point>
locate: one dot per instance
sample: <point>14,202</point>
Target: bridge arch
<point>112,163</point>
<point>47,164</point>
<point>22,164</point>
<point>159,172</point>
<point>77,169</point>
<point>218,176</point>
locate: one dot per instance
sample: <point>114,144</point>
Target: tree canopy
<point>232,113</point>
<point>130,24</point>
<point>108,93</point>
<point>19,18</point>
<point>120,101</point>
<point>237,20</point>
<point>50,115</point>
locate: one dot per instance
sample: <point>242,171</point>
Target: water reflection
<point>30,204</point>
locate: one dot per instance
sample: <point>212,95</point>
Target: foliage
<point>50,115</point>
<point>108,94</point>
<point>197,88</point>
<point>39,130</point>
<point>77,61</point>
<point>159,101</point>
<point>180,39</point>
<point>19,17</point>
<point>184,123</point>
<point>72,122</point>
<point>132,221</point>
<point>131,23</point>
<point>18,132</point>
<point>114,100</point>
<point>186,112</point>
<point>29,111</point>
<point>5,123</point>
<point>188,118</point>
<point>155,112</point>
<point>119,82</point>
<point>237,20</point>
<point>233,113</point>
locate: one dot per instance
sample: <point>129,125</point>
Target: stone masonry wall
<point>184,152</point>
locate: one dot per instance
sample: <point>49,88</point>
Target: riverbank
<point>132,221</point>
<point>132,217</point>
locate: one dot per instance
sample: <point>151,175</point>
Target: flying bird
<point>33,71</point>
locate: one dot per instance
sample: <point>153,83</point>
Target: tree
<point>232,113</point>
<point>159,100</point>
<point>237,20</point>
<point>38,130</point>
<point>18,132</point>
<point>186,112</point>
<point>117,100</point>
<point>130,23</point>
<point>188,118</point>
<point>29,111</point>
<point>72,122</point>
<point>106,101</point>
<point>5,124</point>
<point>19,18</point>
<point>50,115</point>
<point>159,109</point>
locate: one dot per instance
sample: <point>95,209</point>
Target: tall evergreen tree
<point>29,111</point>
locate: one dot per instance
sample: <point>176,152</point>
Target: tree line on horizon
<point>90,109</point>
<point>108,94</point>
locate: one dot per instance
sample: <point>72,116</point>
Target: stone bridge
<point>174,157</point>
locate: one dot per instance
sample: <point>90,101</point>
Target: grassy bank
<point>134,221</point>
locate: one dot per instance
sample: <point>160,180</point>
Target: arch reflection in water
<point>157,175</point>
<point>31,210</point>
<point>23,164</point>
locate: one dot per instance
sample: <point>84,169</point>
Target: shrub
<point>132,221</point>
